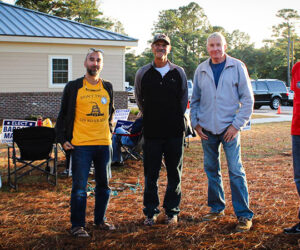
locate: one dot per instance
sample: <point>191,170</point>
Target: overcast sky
<point>254,17</point>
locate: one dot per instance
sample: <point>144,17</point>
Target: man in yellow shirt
<point>84,129</point>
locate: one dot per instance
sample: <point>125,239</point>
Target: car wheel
<point>257,106</point>
<point>275,103</point>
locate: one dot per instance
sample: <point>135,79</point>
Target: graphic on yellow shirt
<point>91,126</point>
<point>95,110</point>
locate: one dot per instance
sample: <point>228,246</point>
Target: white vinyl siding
<point>30,66</point>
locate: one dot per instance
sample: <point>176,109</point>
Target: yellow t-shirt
<point>91,126</point>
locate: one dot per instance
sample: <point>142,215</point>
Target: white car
<point>291,96</point>
<point>130,92</point>
<point>190,89</point>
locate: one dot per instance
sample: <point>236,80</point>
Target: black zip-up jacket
<point>65,120</point>
<point>163,100</point>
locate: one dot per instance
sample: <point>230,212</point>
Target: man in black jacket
<point>162,96</point>
<point>84,128</point>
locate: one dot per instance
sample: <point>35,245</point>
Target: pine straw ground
<point>37,216</point>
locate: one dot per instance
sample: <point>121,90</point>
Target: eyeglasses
<point>91,50</point>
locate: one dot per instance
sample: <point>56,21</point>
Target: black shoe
<point>293,230</point>
<point>117,164</point>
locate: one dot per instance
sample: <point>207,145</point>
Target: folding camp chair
<point>133,152</point>
<point>37,151</point>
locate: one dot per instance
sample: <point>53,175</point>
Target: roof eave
<point>27,39</point>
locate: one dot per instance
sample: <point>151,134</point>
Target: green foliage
<point>130,67</point>
<point>187,28</point>
<point>32,117</point>
<point>133,63</point>
<point>83,11</point>
<point>47,6</point>
<point>134,111</point>
<point>289,16</point>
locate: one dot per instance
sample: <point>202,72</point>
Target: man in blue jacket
<point>222,103</point>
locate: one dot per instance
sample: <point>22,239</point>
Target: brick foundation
<point>46,104</point>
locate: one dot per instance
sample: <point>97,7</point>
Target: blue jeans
<point>238,182</point>
<point>296,162</point>
<point>116,140</point>
<point>154,150</point>
<point>82,157</point>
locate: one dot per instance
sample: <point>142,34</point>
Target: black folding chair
<point>37,151</point>
<point>132,152</point>
<point>135,152</point>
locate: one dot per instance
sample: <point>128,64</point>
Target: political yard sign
<point>124,124</point>
<point>121,114</point>
<point>9,125</point>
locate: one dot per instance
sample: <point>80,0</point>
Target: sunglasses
<point>91,50</point>
<point>93,90</point>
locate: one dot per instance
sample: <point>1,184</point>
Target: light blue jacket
<point>214,109</point>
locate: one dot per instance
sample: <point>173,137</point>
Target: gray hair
<point>216,34</point>
<point>92,50</point>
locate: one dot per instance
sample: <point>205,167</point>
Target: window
<point>262,86</point>
<point>59,70</point>
<point>277,86</point>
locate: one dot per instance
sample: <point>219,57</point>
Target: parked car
<point>129,89</point>
<point>130,92</point>
<point>190,89</point>
<point>271,92</point>
<point>291,96</point>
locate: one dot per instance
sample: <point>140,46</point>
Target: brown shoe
<point>243,225</point>
<point>212,216</point>
<point>172,220</point>
<point>105,226</point>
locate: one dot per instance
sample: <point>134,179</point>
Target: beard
<point>93,71</point>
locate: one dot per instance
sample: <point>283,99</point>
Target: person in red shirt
<point>295,131</point>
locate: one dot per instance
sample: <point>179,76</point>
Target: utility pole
<point>292,45</point>
<point>288,57</point>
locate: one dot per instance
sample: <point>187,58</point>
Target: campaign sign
<point>9,125</point>
<point>121,114</point>
<point>124,124</point>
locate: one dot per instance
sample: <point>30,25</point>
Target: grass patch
<point>257,116</point>
<point>134,111</point>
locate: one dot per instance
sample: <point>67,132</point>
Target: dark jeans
<point>154,149</point>
<point>296,162</point>
<point>82,157</point>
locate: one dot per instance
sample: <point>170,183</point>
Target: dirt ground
<point>37,216</point>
